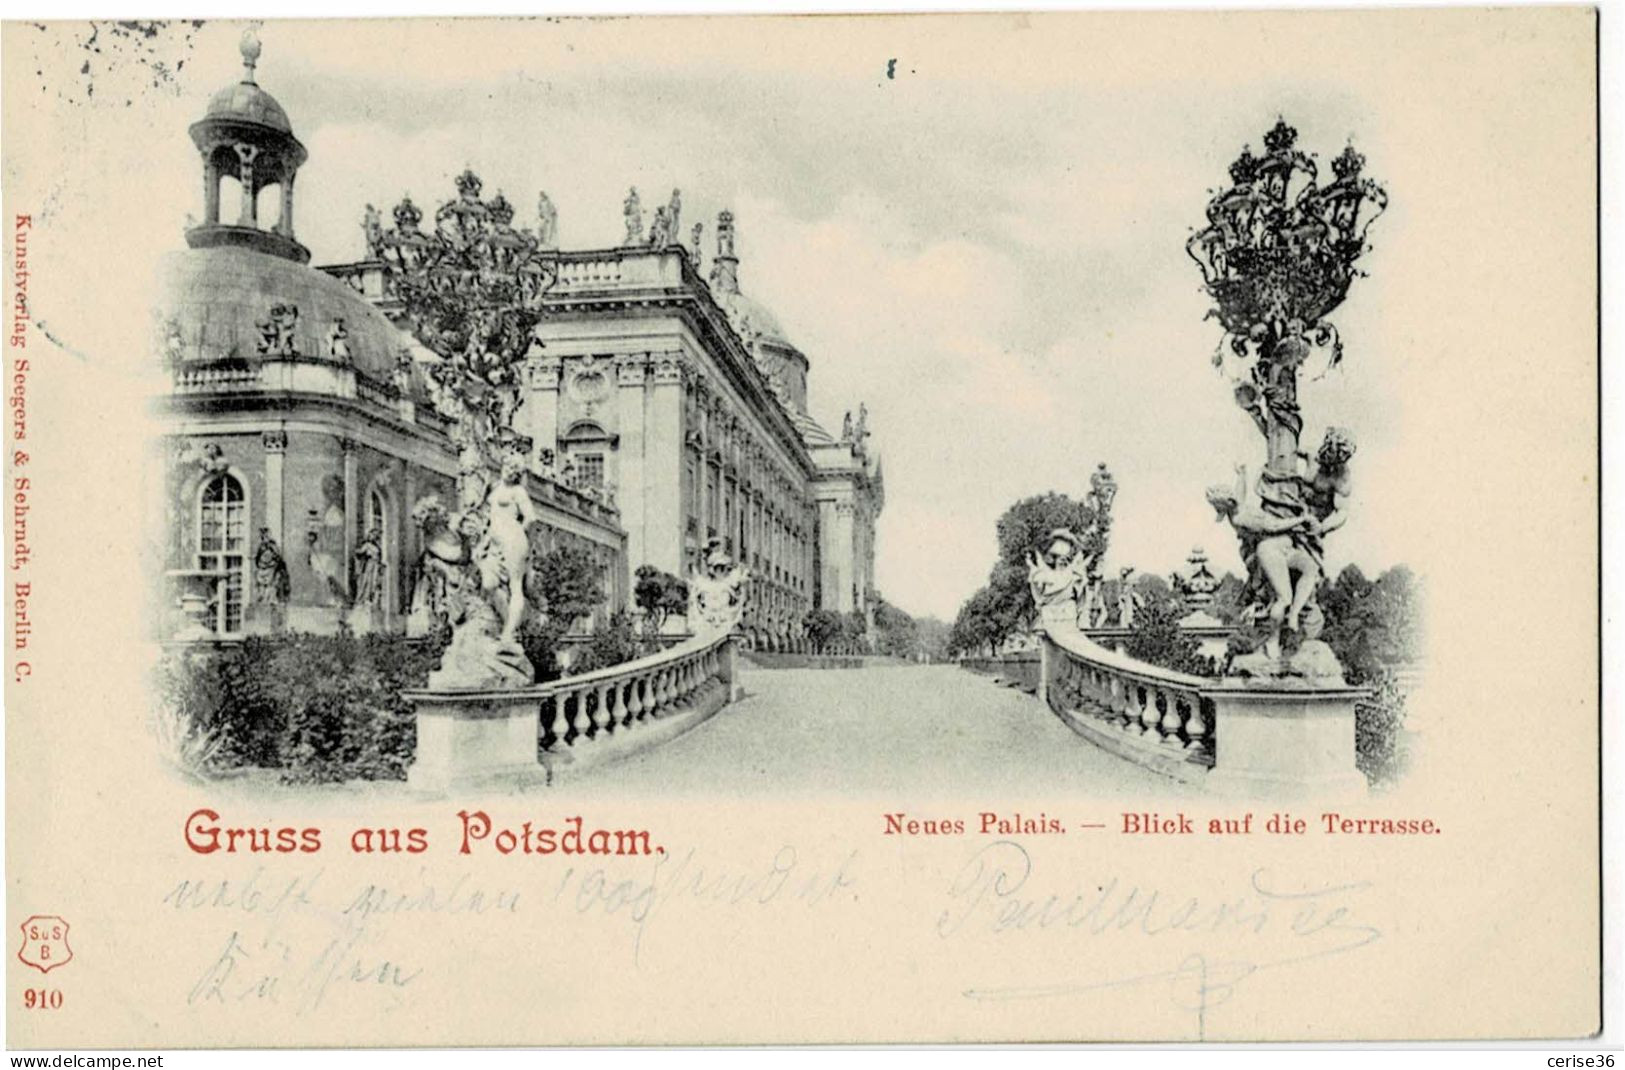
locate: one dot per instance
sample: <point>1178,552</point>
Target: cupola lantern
<point>245,135</point>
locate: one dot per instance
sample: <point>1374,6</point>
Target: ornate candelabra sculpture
<point>1277,257</point>
<point>471,290</point>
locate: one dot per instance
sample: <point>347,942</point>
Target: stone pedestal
<point>475,739</point>
<point>1286,742</point>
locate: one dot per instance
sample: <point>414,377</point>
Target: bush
<point>1378,730</point>
<point>1156,638</point>
<point>614,643</point>
<point>319,708</point>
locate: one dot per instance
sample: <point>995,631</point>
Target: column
<point>276,446</point>
<point>284,224</point>
<point>538,416</point>
<point>663,438</point>
<point>631,377</point>
<point>702,494</point>
<point>248,216</point>
<point>351,520</point>
<point>211,190</point>
<point>406,540</point>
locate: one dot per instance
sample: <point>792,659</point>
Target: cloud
<point>987,249</point>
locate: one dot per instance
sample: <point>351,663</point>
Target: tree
<point>566,583</point>
<point>823,628</point>
<point>1371,626</point>
<point>1156,638</point>
<point>854,628</point>
<point>896,633</point>
<point>1026,524</point>
<point>986,620</point>
<point>613,643</point>
<point>1227,605</point>
<point>659,594</point>
<point>933,638</point>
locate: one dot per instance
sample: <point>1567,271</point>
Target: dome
<point>811,431</point>
<point>246,102</point>
<point>215,299</point>
<point>752,319</point>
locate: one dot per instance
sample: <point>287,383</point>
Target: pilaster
<point>632,380</point>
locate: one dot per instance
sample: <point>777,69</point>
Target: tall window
<point>592,469</point>
<point>222,548</point>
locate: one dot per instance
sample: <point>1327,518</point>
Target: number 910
<point>42,999</point>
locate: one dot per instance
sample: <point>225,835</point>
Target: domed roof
<point>811,431</point>
<point>215,300</point>
<point>246,102</point>
<point>752,319</point>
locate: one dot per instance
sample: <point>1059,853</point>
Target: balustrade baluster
<point>656,702</point>
<point>1172,722</point>
<point>619,717</point>
<point>634,700</point>
<point>600,711</point>
<point>651,693</point>
<point>1197,727</point>
<point>687,675</point>
<point>1134,708</point>
<point>545,735</point>
<point>1151,714</point>
<point>578,715</point>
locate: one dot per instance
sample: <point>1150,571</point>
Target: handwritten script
<point>1273,923</point>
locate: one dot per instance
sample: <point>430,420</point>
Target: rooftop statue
<point>372,226</point>
<point>632,211</point>
<point>547,222</point>
<point>660,232</point>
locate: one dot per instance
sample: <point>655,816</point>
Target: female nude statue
<point>504,554</point>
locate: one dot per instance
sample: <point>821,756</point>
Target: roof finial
<point>250,48</point>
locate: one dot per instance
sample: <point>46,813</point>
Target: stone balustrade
<point>213,377</point>
<point>474,739</point>
<point>1278,737</point>
<point>592,273</point>
<point>636,267</point>
<point>579,711</point>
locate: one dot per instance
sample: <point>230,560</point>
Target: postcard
<point>843,529</point>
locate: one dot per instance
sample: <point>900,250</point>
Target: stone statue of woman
<point>271,584</point>
<point>504,558</point>
<point>632,211</point>
<point>547,222</point>
<point>369,556</point>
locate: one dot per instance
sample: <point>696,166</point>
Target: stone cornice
<point>692,301</point>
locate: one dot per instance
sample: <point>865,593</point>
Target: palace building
<point>667,411</point>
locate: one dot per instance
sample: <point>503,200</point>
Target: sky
<point>984,245</point>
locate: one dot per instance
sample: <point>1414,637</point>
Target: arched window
<point>222,548</point>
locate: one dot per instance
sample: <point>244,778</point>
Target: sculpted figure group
<point>716,595</point>
<point>1282,538</point>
